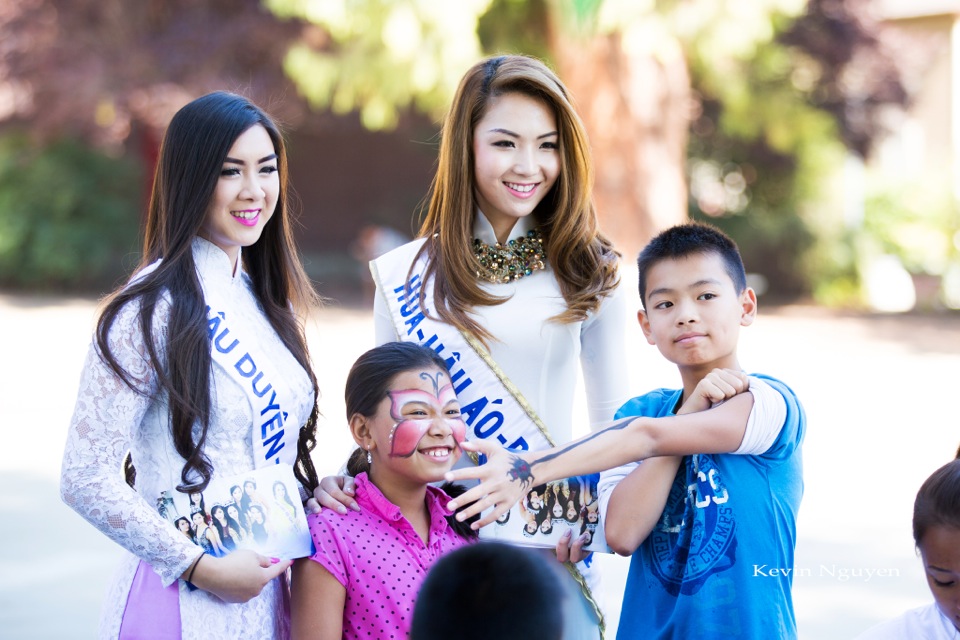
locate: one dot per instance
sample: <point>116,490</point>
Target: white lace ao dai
<point>110,419</point>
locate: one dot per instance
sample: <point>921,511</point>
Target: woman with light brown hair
<point>582,260</point>
<point>511,280</point>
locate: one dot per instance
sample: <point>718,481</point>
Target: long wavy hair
<point>192,153</point>
<point>584,261</point>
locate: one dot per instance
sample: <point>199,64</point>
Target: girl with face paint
<point>405,419</point>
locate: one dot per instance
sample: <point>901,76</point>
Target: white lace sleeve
<point>105,418</point>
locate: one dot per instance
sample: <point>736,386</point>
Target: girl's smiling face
<point>940,550</point>
<point>416,432</point>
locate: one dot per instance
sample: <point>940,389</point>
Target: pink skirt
<point>152,611</point>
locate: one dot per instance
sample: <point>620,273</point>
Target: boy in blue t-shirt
<point>713,506</point>
<point>712,534</point>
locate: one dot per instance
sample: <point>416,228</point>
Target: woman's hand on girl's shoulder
<point>239,576</point>
<point>334,492</point>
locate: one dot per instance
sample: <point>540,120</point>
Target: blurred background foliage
<point>65,214</point>
<point>764,118</point>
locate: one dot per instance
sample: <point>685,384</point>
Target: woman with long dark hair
<point>187,358</point>
<point>284,508</point>
<point>183,526</point>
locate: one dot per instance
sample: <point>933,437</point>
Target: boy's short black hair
<point>490,590</point>
<point>688,239</point>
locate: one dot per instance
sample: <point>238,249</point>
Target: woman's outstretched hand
<point>237,577</point>
<point>504,478</point>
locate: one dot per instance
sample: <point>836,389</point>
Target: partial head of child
<point>695,297</point>
<point>936,531</point>
<point>490,590</point>
<point>405,418</point>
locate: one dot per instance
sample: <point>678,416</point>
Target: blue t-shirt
<point>720,561</point>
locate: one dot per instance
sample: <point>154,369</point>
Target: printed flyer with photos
<point>259,510</point>
<point>547,511</point>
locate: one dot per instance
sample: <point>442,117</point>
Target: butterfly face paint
<point>409,430</point>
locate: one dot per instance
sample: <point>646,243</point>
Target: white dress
<point>110,419</point>
<point>540,357</point>
<point>922,623</point>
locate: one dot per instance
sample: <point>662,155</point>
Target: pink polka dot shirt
<point>381,561</point>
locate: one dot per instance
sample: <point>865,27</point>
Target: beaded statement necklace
<point>504,263</point>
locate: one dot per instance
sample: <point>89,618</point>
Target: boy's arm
<point>506,474</point>
<point>636,503</point>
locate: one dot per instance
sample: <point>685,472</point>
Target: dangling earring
<point>369,457</point>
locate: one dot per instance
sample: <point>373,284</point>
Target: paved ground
<point>879,391</point>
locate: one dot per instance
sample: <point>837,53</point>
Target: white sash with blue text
<point>238,354</point>
<point>491,405</point>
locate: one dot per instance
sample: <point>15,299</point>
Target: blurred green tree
<point>773,134</point>
<point>64,215</point>
<point>714,109</point>
<point>103,71</point>
<point>86,87</point>
<point>748,103</point>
